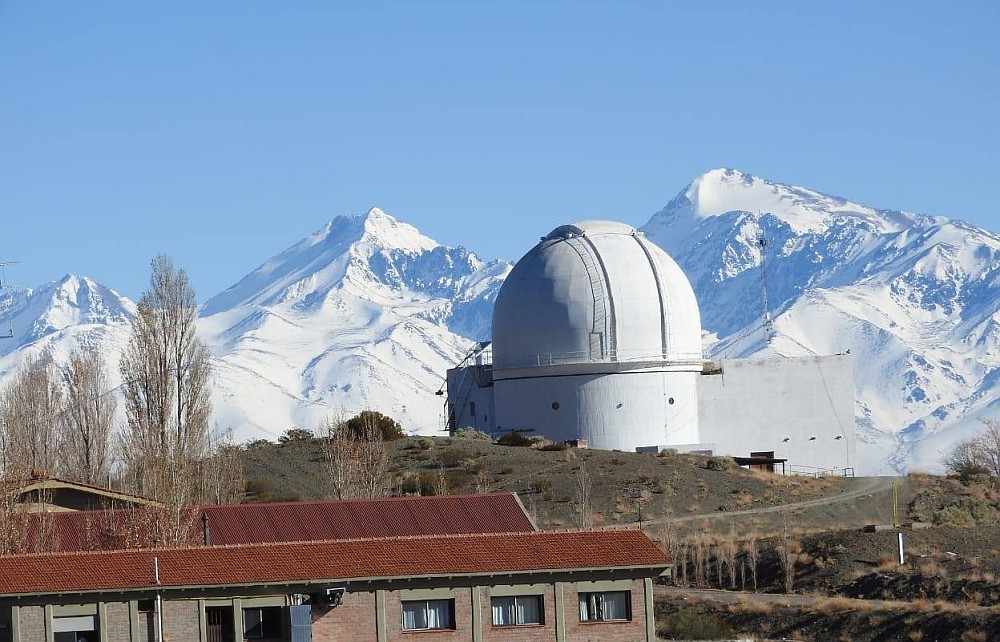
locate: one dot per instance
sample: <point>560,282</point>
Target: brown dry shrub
<point>744,604</point>
<point>831,605</point>
<point>886,562</point>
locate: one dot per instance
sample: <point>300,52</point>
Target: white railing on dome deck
<point>627,356</point>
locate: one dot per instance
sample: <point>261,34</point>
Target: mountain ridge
<point>368,312</point>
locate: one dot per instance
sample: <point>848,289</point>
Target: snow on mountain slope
<point>364,313</point>
<point>918,298</point>
<point>368,313</point>
<point>54,319</point>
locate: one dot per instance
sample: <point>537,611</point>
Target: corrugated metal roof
<point>383,517</point>
<point>312,521</point>
<point>343,560</point>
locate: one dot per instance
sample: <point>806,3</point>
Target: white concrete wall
<point>620,411</point>
<point>797,407</point>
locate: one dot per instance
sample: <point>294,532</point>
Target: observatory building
<point>597,339</point>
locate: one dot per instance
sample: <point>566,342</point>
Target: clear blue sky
<point>223,132</point>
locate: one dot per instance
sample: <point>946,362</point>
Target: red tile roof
<point>317,520</point>
<point>361,518</point>
<point>342,560</point>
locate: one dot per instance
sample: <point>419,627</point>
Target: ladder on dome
<point>599,331</point>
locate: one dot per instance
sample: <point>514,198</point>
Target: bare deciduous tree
<point>165,371</point>
<point>87,420</point>
<point>752,553</point>
<point>29,406</point>
<point>13,519</point>
<point>787,550</point>
<point>728,550</point>
<point>583,489</point>
<point>355,458</point>
<point>222,479</point>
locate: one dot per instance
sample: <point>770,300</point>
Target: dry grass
<point>886,562</point>
<point>744,604</point>
<point>831,605</point>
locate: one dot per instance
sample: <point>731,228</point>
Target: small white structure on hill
<point>597,337</point>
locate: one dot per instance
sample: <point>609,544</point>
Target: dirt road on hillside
<point>865,487</point>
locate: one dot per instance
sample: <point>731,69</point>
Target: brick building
<point>559,586</point>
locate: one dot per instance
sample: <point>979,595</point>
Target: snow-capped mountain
<point>917,298</point>
<point>364,313</point>
<point>52,320</point>
<point>368,313</point>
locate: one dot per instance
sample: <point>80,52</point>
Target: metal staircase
<point>473,374</point>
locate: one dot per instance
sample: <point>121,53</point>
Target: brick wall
<point>32,624</point>
<point>116,622</point>
<point>352,621</point>
<point>180,621</point>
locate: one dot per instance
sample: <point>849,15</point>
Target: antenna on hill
<point>10,327</point>
<point>767,321</point>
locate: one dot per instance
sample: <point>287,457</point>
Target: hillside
<point>665,486</point>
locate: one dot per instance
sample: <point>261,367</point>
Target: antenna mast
<point>10,327</point>
<point>768,323</point>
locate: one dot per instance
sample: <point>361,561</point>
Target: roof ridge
<point>360,500</point>
<point>311,543</point>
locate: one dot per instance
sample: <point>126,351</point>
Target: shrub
<point>555,445</point>
<point>295,435</point>
<point>425,483</point>
<point>541,486</point>
<point>514,438</point>
<point>454,456</point>
<point>425,444</point>
<point>691,625</point>
<point>260,489</point>
<point>720,463</point>
<point>388,426</point>
<point>967,512</point>
<point>472,433</point>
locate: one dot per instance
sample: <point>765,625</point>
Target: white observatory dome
<point>596,292</point>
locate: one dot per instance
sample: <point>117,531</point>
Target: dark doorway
<point>219,625</point>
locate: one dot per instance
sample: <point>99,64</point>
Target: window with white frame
<point>517,610</point>
<point>262,622</point>
<point>423,615</point>
<point>606,606</point>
